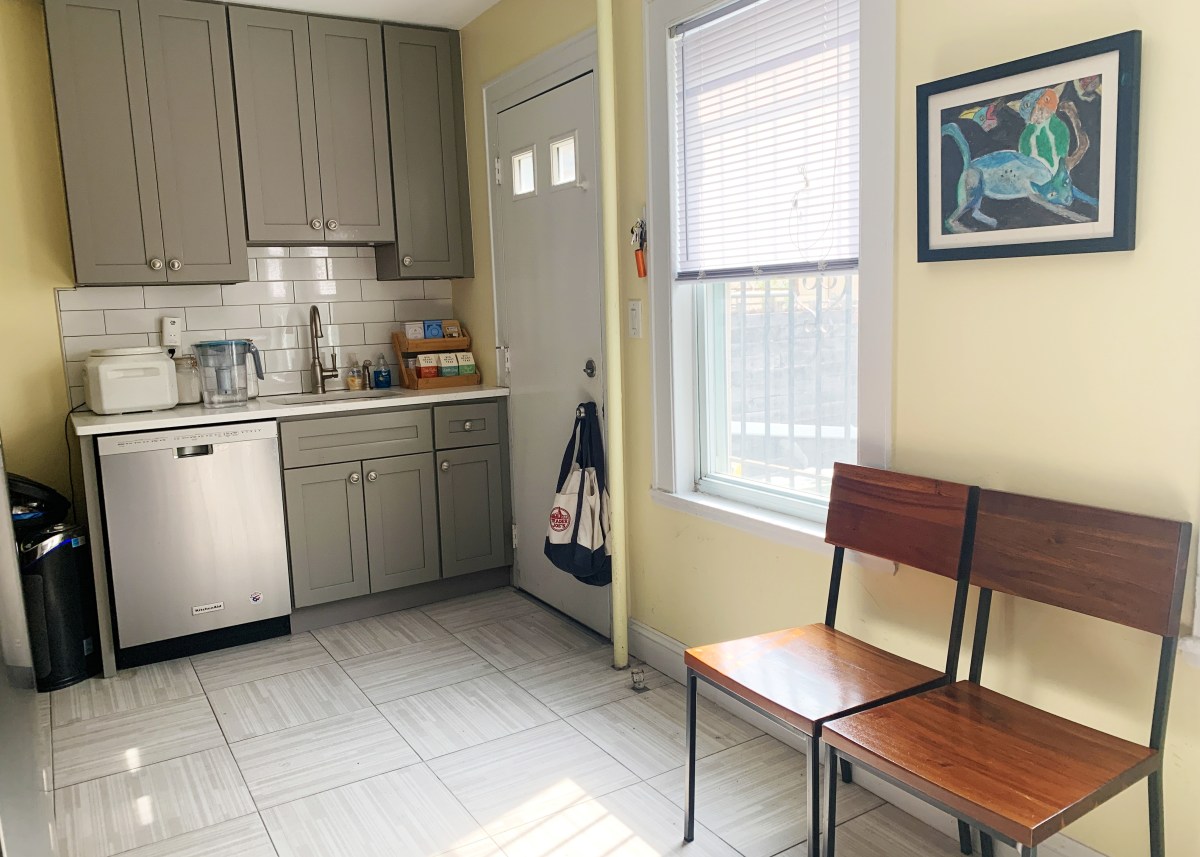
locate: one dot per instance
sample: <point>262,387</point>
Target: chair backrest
<point>912,520</point>
<point>1125,568</point>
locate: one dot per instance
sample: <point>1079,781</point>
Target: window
<point>757,158</point>
<point>524,182</point>
<point>562,161</point>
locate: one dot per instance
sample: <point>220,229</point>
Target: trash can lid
<point>38,544</point>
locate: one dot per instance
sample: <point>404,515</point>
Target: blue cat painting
<point>1029,159</point>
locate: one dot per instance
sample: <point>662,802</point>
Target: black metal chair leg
<point>986,847</point>
<point>1158,834</point>
<point>965,845</point>
<point>689,813</point>
<point>831,786</point>
<point>814,796</point>
<point>847,771</point>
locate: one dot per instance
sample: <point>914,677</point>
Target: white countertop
<point>267,408</point>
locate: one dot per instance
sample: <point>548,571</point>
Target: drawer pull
<point>445,466</point>
<point>467,425</point>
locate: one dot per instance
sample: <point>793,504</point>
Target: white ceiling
<point>453,14</point>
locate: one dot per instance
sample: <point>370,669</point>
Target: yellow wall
<point>1070,377</point>
<point>35,253</point>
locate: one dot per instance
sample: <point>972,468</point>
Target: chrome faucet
<point>319,372</point>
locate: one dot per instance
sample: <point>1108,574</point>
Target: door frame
<point>552,68</point>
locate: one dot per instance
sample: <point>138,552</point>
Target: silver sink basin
<point>334,396</point>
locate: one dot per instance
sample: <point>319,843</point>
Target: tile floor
<point>486,726</point>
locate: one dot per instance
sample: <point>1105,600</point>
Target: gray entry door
<point>550,307</point>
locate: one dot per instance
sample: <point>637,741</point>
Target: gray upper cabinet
<point>429,160</point>
<point>402,532</point>
<point>471,506</point>
<point>312,108</point>
<point>327,541</point>
<point>278,125</point>
<point>149,140</point>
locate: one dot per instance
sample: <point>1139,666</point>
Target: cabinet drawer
<point>328,440</point>
<point>473,424</point>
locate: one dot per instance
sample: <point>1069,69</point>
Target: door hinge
<point>507,361</point>
<point>514,537</point>
<point>498,175</point>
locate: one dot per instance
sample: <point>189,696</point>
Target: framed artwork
<point>1033,157</point>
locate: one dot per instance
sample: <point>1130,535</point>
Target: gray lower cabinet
<point>471,510</point>
<point>402,532</point>
<point>144,93</point>
<point>312,105</point>
<point>429,160</point>
<point>327,533</point>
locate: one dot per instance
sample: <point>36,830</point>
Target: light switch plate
<point>172,326</point>
<point>634,314</point>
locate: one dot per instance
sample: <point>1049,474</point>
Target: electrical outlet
<point>635,318</point>
<point>172,327</point>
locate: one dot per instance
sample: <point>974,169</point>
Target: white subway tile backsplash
<point>351,269</point>
<point>342,313</point>
<point>74,373</point>
<point>423,310</point>
<point>287,360</point>
<point>79,347</point>
<point>380,333</point>
<point>276,383</point>
<point>222,317</point>
<point>172,296</point>
<point>269,292</point>
<point>83,323</point>
<point>392,290</point>
<point>293,269</point>
<point>283,315</point>
<point>188,338</point>
<point>271,337</point>
<point>437,290</point>
<point>260,252</point>
<point>321,252</point>
<point>319,291</point>
<point>343,334</point>
<point>139,320</point>
<point>114,297</point>
<point>78,397</point>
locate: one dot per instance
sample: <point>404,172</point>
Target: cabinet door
<point>277,124</point>
<point>352,135</point>
<point>471,510</point>
<point>402,531</point>
<point>107,146</point>
<point>326,533</point>
<point>429,168</point>
<point>189,74</point>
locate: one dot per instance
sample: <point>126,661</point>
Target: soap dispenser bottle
<point>383,373</point>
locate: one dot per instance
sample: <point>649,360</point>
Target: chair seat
<point>1019,770</point>
<point>805,676</point>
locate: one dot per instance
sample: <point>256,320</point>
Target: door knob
<point>445,466</point>
<point>355,478</point>
<point>156,264</point>
<point>372,476</point>
<point>331,224</point>
<point>174,264</point>
<point>589,368</point>
<point>407,261</point>
<point>467,425</point>
<point>316,223</point>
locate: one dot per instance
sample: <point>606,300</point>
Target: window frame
<point>674,332</point>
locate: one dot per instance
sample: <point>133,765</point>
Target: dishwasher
<point>195,526</point>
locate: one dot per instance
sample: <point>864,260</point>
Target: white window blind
<point>766,131</point>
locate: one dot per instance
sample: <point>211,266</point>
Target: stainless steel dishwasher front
<point>195,528</point>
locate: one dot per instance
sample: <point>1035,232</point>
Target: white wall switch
<point>635,318</point>
<point>172,327</point>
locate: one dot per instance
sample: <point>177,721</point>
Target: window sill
<point>773,526</point>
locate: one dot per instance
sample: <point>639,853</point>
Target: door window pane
<point>523,173</point>
<point>562,161</point>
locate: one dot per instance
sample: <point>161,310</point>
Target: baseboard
<point>665,654</point>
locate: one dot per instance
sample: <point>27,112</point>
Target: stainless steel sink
<point>334,396</point>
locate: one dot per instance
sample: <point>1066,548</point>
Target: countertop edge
<point>87,423</point>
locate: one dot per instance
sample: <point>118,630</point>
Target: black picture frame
<point>1122,185</point>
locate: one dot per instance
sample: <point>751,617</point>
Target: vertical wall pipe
<point>615,405</point>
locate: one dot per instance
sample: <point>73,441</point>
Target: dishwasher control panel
<point>190,437</point>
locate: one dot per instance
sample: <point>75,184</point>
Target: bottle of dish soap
<point>354,375</point>
<point>383,374</point>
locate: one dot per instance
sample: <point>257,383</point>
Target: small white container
<point>127,380</point>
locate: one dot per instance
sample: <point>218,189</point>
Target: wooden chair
<point>1017,773</point>
<point>802,677</point>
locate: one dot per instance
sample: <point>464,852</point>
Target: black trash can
<point>60,603</point>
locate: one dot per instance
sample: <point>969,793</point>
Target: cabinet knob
<point>175,264</point>
<point>445,466</point>
<point>316,223</point>
<point>331,224</point>
<point>372,476</point>
<point>156,264</point>
<point>355,478</point>
<point>467,425</point>
<point>407,261</point>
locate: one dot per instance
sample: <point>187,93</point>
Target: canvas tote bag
<point>577,533</point>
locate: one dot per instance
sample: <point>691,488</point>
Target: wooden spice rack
<point>406,347</point>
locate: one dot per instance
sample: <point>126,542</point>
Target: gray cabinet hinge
<point>498,177</point>
<point>514,537</point>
